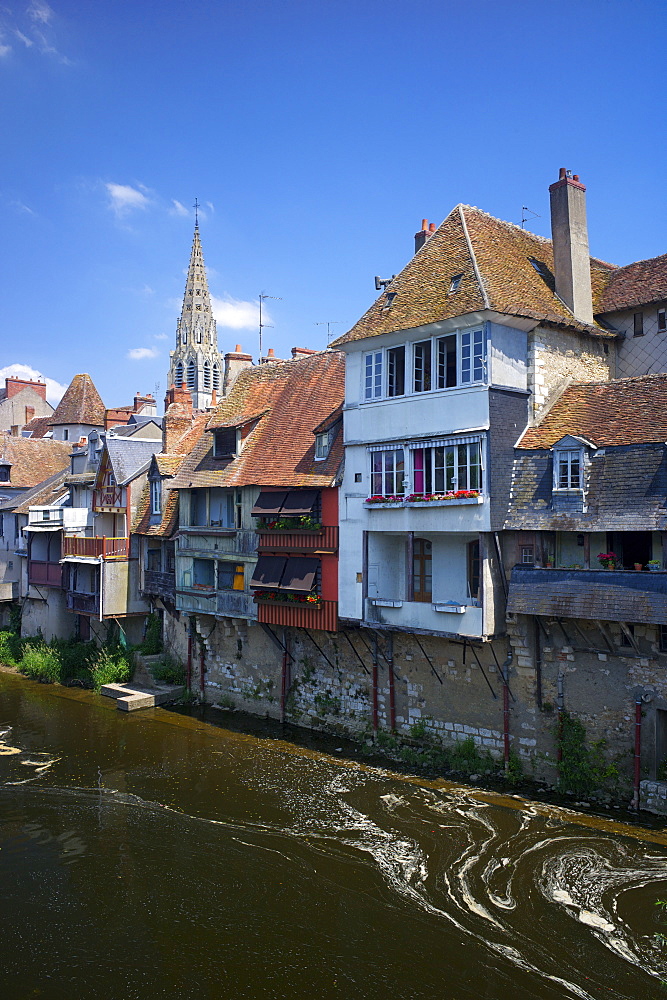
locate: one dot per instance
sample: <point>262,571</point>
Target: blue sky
<point>316,135</point>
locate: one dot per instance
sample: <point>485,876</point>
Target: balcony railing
<point>241,542</point>
<point>45,573</point>
<point>324,616</point>
<point>95,548</point>
<point>323,540</point>
<point>160,584</point>
<point>595,594</point>
<point>83,603</point>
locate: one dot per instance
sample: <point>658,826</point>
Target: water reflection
<point>158,856</point>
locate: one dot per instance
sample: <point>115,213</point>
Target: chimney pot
<point>270,353</point>
<point>431,227</point>
<point>237,349</point>
<point>424,223</point>
<point>562,174</point>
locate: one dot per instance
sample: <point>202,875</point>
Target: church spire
<point>196,361</point>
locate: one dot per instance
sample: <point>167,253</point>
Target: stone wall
<point>559,357</point>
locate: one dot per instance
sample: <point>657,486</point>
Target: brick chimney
<point>144,404</point>
<point>423,234</point>
<point>569,233</point>
<point>270,357</point>
<point>235,362</point>
<point>177,420</point>
<point>14,385</point>
<point>29,413</point>
<point>302,352</point>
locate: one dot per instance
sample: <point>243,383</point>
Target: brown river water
<point>165,854</point>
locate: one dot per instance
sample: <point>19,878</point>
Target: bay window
<point>373,375</point>
<point>396,371</point>
<point>387,472</point>
<point>447,468</point>
<point>422,366</point>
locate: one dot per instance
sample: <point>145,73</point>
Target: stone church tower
<point>196,363</point>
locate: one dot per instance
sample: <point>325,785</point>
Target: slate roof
<point>32,460</point>
<point>134,429</point>
<point>167,524</point>
<point>493,259</point>
<point>622,411</point>
<point>279,449</point>
<point>128,456</point>
<point>637,284</point>
<point>625,490</point>
<point>81,404</point>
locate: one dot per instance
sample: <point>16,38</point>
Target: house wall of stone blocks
<point>556,358</point>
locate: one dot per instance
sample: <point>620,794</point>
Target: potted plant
<point>607,560</point>
<point>639,566</point>
<point>654,565</point>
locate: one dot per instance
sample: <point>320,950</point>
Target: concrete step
<point>131,697</point>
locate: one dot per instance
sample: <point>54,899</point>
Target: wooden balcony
<point>325,540</point>
<point>160,584</point>
<point>325,616</point>
<point>87,604</point>
<point>97,547</point>
<point>45,573</point>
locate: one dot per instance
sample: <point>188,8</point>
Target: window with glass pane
<point>203,572</point>
<point>198,507</point>
<point>447,361</point>
<point>472,356</point>
<point>156,496</point>
<point>373,375</point>
<point>453,467</point>
<point>221,508</point>
<point>387,472</point>
<point>422,573</point>
<point>422,366</point>
<point>396,371</point>
<point>569,470</point>
<point>153,560</point>
<point>473,569</point>
<point>230,576</point>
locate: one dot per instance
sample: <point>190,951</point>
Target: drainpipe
<point>392,690</point>
<point>638,753</point>
<point>559,730</point>
<point>375,685</point>
<point>284,679</point>
<point>506,708</point>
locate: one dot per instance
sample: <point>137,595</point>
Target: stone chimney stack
<point>423,234</point>
<point>302,352</point>
<point>235,362</point>
<point>177,419</point>
<point>569,232</point>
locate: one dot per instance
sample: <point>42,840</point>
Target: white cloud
<point>4,49</point>
<point>236,314</point>
<point>160,336</point>
<point>210,205</point>
<point>22,207</point>
<point>40,12</point>
<point>178,208</point>
<point>54,390</point>
<point>142,353</point>
<point>124,198</point>
<point>28,42</point>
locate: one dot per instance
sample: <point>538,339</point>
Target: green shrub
<point>41,663</point>
<point>76,658</point>
<point>10,648</point>
<point>169,672</point>
<point>110,667</point>
<point>152,642</point>
<point>583,768</point>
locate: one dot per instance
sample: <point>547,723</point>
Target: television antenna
<point>524,217</point>
<point>329,323</point>
<point>262,297</point>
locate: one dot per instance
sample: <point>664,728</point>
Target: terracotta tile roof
<point>37,427</point>
<point>168,465</point>
<point>81,404</point>
<point>295,397</point>
<point>623,411</point>
<point>32,460</point>
<point>329,421</point>
<point>638,284</point>
<point>492,259</point>
<point>44,493</point>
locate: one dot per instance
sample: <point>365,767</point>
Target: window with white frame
<point>156,496</point>
<point>568,468</point>
<point>447,467</point>
<point>457,359</point>
<point>322,445</point>
<point>387,472</point>
<point>373,375</point>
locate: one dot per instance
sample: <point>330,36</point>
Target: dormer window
<point>224,443</point>
<point>5,471</point>
<point>156,496</point>
<point>568,469</point>
<point>454,283</point>
<point>322,446</point>
<point>544,272</point>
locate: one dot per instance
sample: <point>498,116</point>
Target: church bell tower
<point>196,363</point>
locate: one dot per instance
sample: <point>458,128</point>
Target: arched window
<point>184,334</point>
<point>192,374</point>
<point>216,376</point>
<point>207,374</point>
<point>198,333</point>
<point>178,375</point>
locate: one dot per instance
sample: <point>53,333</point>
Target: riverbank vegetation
<point>66,661</point>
